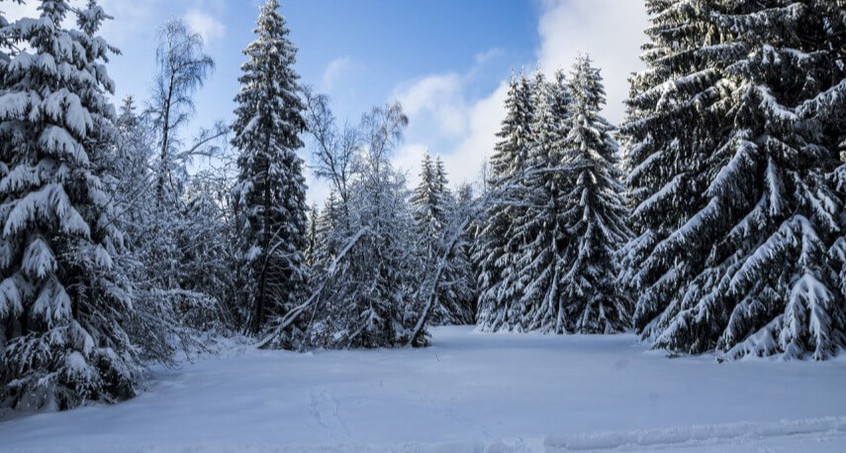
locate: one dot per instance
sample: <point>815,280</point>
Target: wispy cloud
<point>483,57</point>
<point>335,71</point>
<point>205,24</point>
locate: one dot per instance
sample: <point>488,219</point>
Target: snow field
<point>470,392</point>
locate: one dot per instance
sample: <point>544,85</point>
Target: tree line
<point>710,220</point>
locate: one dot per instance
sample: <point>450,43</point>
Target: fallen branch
<point>295,313</point>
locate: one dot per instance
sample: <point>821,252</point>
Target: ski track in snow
<point>468,393</point>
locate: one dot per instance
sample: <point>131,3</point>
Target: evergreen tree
<point>328,232</point>
<point>428,203</point>
<point>467,209</point>
<point>493,254</point>
<point>131,166</point>
<point>729,162</point>
<point>434,211</point>
<point>311,237</point>
<point>539,234</point>
<point>595,210</point>
<point>271,188</point>
<point>64,297</point>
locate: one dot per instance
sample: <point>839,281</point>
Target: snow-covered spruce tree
<point>538,234</point>
<point>594,209</point>
<point>467,212</point>
<point>729,169</point>
<point>311,235</point>
<point>271,188</point>
<point>428,203</point>
<point>434,211</point>
<point>493,255</point>
<point>665,153</point>
<point>64,299</point>
<point>131,166</point>
<point>457,282</point>
<point>327,238</point>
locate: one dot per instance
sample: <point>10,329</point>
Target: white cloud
<point>611,31</point>
<point>483,57</point>
<point>205,24</point>
<point>441,98</point>
<point>335,70</point>
<point>485,118</point>
<point>129,17</point>
<point>471,127</point>
<point>407,160</point>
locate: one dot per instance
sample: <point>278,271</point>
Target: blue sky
<point>445,60</point>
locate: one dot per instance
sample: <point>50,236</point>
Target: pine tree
<point>729,168</point>
<point>131,165</point>
<point>595,210</point>
<point>493,254</point>
<point>64,298</point>
<point>271,189</point>
<point>311,237</point>
<point>457,286</point>
<point>434,212</point>
<point>328,232</point>
<point>428,204</point>
<point>539,232</point>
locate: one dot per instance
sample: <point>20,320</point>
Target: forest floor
<point>469,392</point>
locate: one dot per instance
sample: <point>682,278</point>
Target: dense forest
<point>710,221</point>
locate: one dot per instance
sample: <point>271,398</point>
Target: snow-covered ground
<point>468,393</point>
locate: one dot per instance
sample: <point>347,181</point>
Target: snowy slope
<point>469,392</point>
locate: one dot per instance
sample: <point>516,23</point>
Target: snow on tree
<point>556,217</point>
<point>131,167</point>
<point>538,234</point>
<point>433,206</point>
<point>594,209</point>
<point>493,254</point>
<point>429,203</point>
<point>7,39</point>
<point>64,297</point>
<point>327,232</point>
<point>366,277</point>
<point>311,235</point>
<point>209,283</point>
<point>271,189</point>
<point>182,69</point>
<point>167,286</point>
<point>730,153</point>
